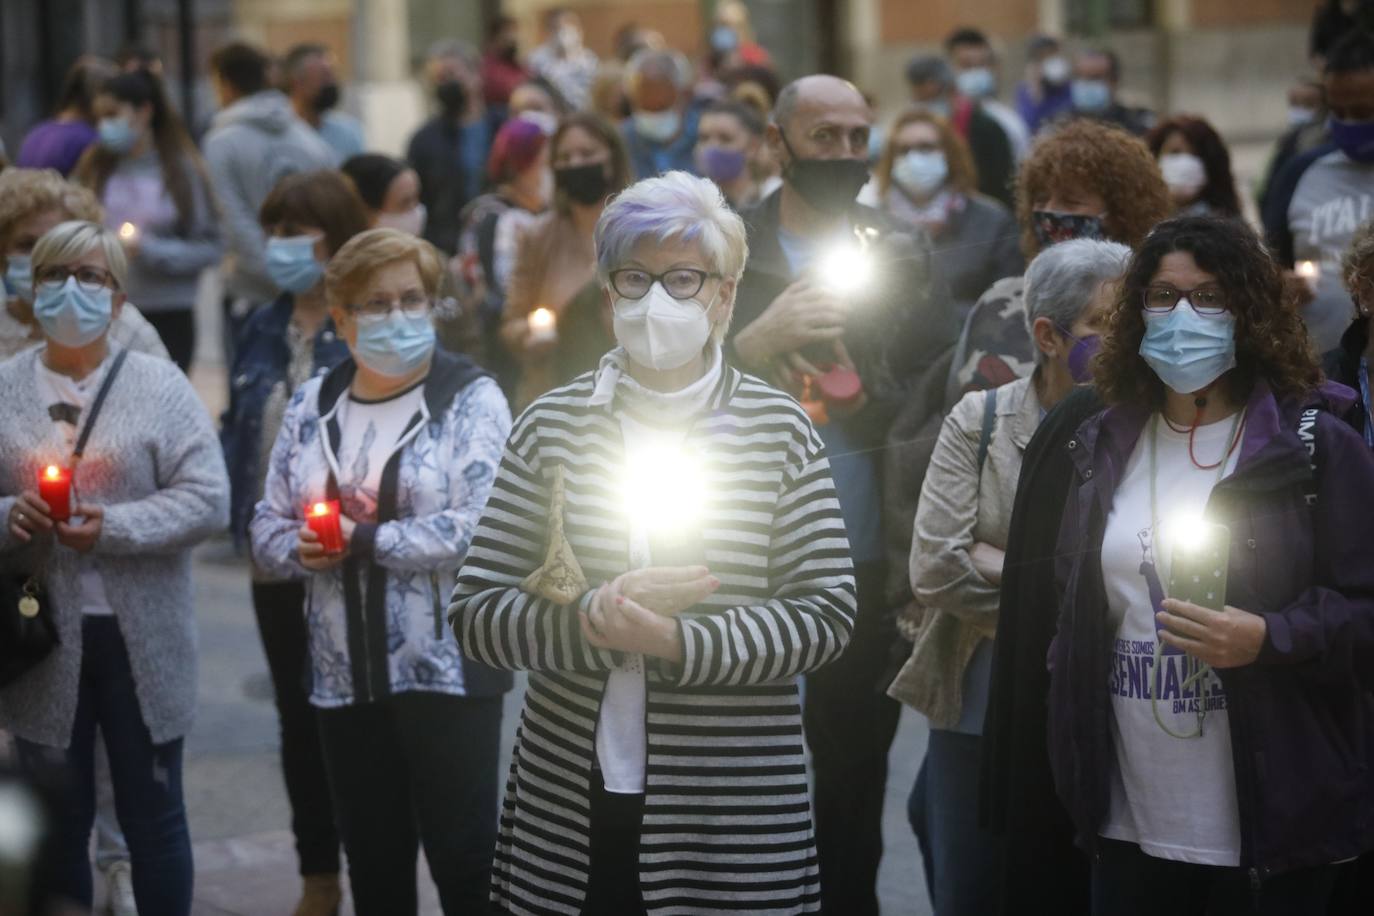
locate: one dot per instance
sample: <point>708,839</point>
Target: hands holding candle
<point>325,536</point>
<point>33,515</point>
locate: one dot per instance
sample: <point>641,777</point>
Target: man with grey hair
<point>850,346</point>
<point>449,151</point>
<point>309,81</point>
<point>661,132</point>
<point>933,87</point>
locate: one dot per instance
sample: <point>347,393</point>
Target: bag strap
<point>94,410</point>
<point>989,419</point>
<point>1307,432</point>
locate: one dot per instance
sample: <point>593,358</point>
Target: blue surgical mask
<point>1090,95</point>
<point>921,172</point>
<point>70,315</point>
<point>116,135</point>
<point>291,263</point>
<point>978,83</point>
<point>19,277</point>
<point>1189,351</point>
<point>1355,138</point>
<point>658,126</point>
<point>395,346</point>
<point>724,39</point>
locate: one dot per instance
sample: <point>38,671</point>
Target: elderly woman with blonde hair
<point>32,201</point>
<point>108,538</point>
<point>393,451</point>
<point>664,553</point>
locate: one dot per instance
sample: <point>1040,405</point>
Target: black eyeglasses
<point>1206,300</point>
<point>90,279</point>
<point>680,282</point>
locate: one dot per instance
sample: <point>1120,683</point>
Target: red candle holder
<point>55,489</point>
<point>323,519</point>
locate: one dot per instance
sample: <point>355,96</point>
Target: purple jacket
<point>1302,715</point>
<point>56,144</point>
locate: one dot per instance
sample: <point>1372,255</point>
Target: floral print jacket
<point>376,621</point>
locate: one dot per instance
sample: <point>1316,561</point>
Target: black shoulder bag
<point>28,626</point>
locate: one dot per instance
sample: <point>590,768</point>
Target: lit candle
<point>323,519</point>
<point>128,232</point>
<point>55,489</point>
<point>543,326</point>
<point>1310,271</point>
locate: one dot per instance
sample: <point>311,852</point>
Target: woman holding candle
<point>150,485</point>
<point>664,553</point>
<point>307,218</point>
<point>32,201</point>
<point>1214,750</point>
<point>404,439</point>
<point>554,260</point>
<point>156,191</point>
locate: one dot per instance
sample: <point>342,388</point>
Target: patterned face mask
<point>1052,226</point>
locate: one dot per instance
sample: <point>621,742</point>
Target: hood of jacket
<point>268,111</point>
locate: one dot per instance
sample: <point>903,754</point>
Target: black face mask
<point>1052,227</point>
<point>584,184</point>
<point>452,96</point>
<point>508,51</point>
<point>828,185</point>
<point>327,97</point>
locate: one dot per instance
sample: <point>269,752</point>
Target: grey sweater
<point>154,464</point>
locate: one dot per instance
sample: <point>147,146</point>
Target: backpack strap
<point>989,420</point>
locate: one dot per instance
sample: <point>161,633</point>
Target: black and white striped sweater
<point>727,814</point>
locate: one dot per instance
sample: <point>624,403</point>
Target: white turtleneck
<point>621,743</point>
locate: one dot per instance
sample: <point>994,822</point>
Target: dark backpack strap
<point>989,420</point>
<point>94,410</point>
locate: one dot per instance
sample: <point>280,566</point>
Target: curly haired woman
<point>1209,689</point>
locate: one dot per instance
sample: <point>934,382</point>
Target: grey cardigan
<point>154,464</point>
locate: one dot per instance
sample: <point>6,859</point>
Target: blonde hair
<point>27,192</point>
<point>65,242</point>
<point>353,265</point>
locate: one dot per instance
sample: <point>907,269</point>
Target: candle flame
<point>319,509</point>
<point>1306,269</point>
<point>542,318</point>
<point>52,472</point>
<point>128,231</point>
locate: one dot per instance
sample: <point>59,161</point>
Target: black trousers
<point>1128,882</point>
<point>415,768</point>
<point>849,721</point>
<point>177,328</point>
<point>280,608</point>
<point>613,880</point>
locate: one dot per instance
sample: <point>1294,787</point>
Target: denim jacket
<point>260,362</point>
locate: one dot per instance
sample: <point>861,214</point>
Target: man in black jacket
<point>836,307</point>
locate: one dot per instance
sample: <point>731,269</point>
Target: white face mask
<point>1184,173</point>
<point>412,221</point>
<point>661,332</point>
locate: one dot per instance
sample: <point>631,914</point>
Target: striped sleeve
<point>497,622</point>
<point>808,621</point>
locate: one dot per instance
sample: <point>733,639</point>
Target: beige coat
<point>955,607</point>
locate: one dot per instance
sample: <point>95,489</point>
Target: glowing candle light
<point>543,325</point>
<point>1310,271</point>
<point>128,232</point>
<point>845,268</point>
<point>323,519</point>
<point>55,489</point>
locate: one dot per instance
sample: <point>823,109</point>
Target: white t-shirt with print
<point>1175,797</point>
<point>368,432</point>
<point>65,399</point>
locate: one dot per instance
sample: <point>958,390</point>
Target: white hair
<point>1063,279</point>
<point>658,62</point>
<point>65,242</point>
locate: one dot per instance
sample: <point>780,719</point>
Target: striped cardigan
<point>727,813</point>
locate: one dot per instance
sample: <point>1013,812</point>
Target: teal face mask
<point>116,135</point>
<point>70,315</point>
<point>1189,351</point>
<point>395,346</point>
<point>19,277</point>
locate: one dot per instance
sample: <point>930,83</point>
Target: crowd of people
<point>738,418</point>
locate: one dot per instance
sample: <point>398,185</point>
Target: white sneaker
<point>119,890</point>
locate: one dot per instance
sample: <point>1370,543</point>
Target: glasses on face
<point>413,304</point>
<point>1205,300</point>
<point>90,279</point>
<point>680,282</point>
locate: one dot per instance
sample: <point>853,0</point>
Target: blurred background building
<point>1231,59</point>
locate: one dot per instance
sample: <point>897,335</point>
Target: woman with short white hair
<point>108,541</point>
<point>957,551</point>
<point>663,552</point>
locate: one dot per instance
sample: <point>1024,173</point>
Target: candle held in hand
<point>543,326</point>
<point>323,519</point>
<point>128,232</point>
<point>55,489</point>
<point>1310,271</point>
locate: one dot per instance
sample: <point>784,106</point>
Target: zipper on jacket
<point>438,616</point>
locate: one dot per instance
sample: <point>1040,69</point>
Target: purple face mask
<point>1084,349</point>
